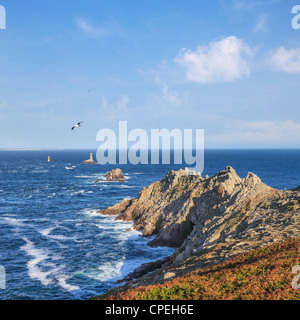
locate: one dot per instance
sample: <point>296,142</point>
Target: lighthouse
<point>91,160</point>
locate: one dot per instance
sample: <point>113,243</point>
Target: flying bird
<point>76,125</point>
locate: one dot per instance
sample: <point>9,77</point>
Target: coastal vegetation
<point>261,274</point>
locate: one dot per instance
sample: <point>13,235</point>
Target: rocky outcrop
<point>210,220</point>
<point>114,175</point>
<point>117,208</point>
<point>144,269</point>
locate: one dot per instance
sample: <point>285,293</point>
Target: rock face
<point>210,220</point>
<point>118,208</point>
<point>113,175</point>
<point>144,269</point>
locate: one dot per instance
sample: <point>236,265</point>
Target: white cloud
<point>3,103</point>
<point>97,32</point>
<point>260,23</point>
<point>271,130</point>
<point>287,60</point>
<point>115,111</point>
<point>248,6</point>
<point>107,30</point>
<point>220,61</point>
<point>169,96</point>
<point>265,132</point>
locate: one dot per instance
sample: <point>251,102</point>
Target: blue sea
<point>53,243</point>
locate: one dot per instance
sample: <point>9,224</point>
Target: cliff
<point>209,220</point>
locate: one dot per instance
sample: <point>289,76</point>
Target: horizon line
<point>172,149</point>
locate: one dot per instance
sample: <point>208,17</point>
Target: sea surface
<point>54,244</point>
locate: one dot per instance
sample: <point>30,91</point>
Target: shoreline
<point>213,220</point>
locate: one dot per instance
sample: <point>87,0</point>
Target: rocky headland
<point>208,220</point>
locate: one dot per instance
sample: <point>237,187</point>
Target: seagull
<point>77,125</point>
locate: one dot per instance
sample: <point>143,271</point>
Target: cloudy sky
<point>230,67</point>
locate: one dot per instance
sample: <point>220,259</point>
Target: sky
<point>230,67</point>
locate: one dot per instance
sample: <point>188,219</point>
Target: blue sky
<point>230,67</point>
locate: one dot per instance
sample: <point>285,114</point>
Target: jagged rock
<point>144,269</point>
<point>113,175</point>
<point>117,208</point>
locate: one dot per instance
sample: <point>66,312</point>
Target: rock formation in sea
<point>90,161</point>
<point>208,220</point>
<point>113,175</point>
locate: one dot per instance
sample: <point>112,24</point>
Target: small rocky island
<point>90,161</point>
<point>114,175</point>
<point>208,220</point>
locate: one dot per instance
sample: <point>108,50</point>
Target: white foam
<point>128,232</point>
<point>91,213</point>
<point>39,171</point>
<point>128,198</point>
<point>13,221</point>
<point>34,271</point>
<point>46,232</point>
<point>125,186</point>
<point>76,193</point>
<point>106,271</point>
<point>82,176</point>
<point>60,237</point>
<point>62,281</point>
<point>40,257</point>
<point>52,195</point>
<point>96,176</point>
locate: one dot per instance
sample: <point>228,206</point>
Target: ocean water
<point>53,243</point>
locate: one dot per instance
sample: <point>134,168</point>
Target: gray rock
<point>210,220</point>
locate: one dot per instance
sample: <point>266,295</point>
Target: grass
<point>262,274</point>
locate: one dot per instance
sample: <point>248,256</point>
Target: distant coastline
<point>206,149</point>
<point>31,149</point>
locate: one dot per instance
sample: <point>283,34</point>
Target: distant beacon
<point>90,161</point>
<point>48,158</point>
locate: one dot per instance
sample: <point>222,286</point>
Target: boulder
<point>113,175</point>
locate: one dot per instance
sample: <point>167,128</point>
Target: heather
<point>262,274</point>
